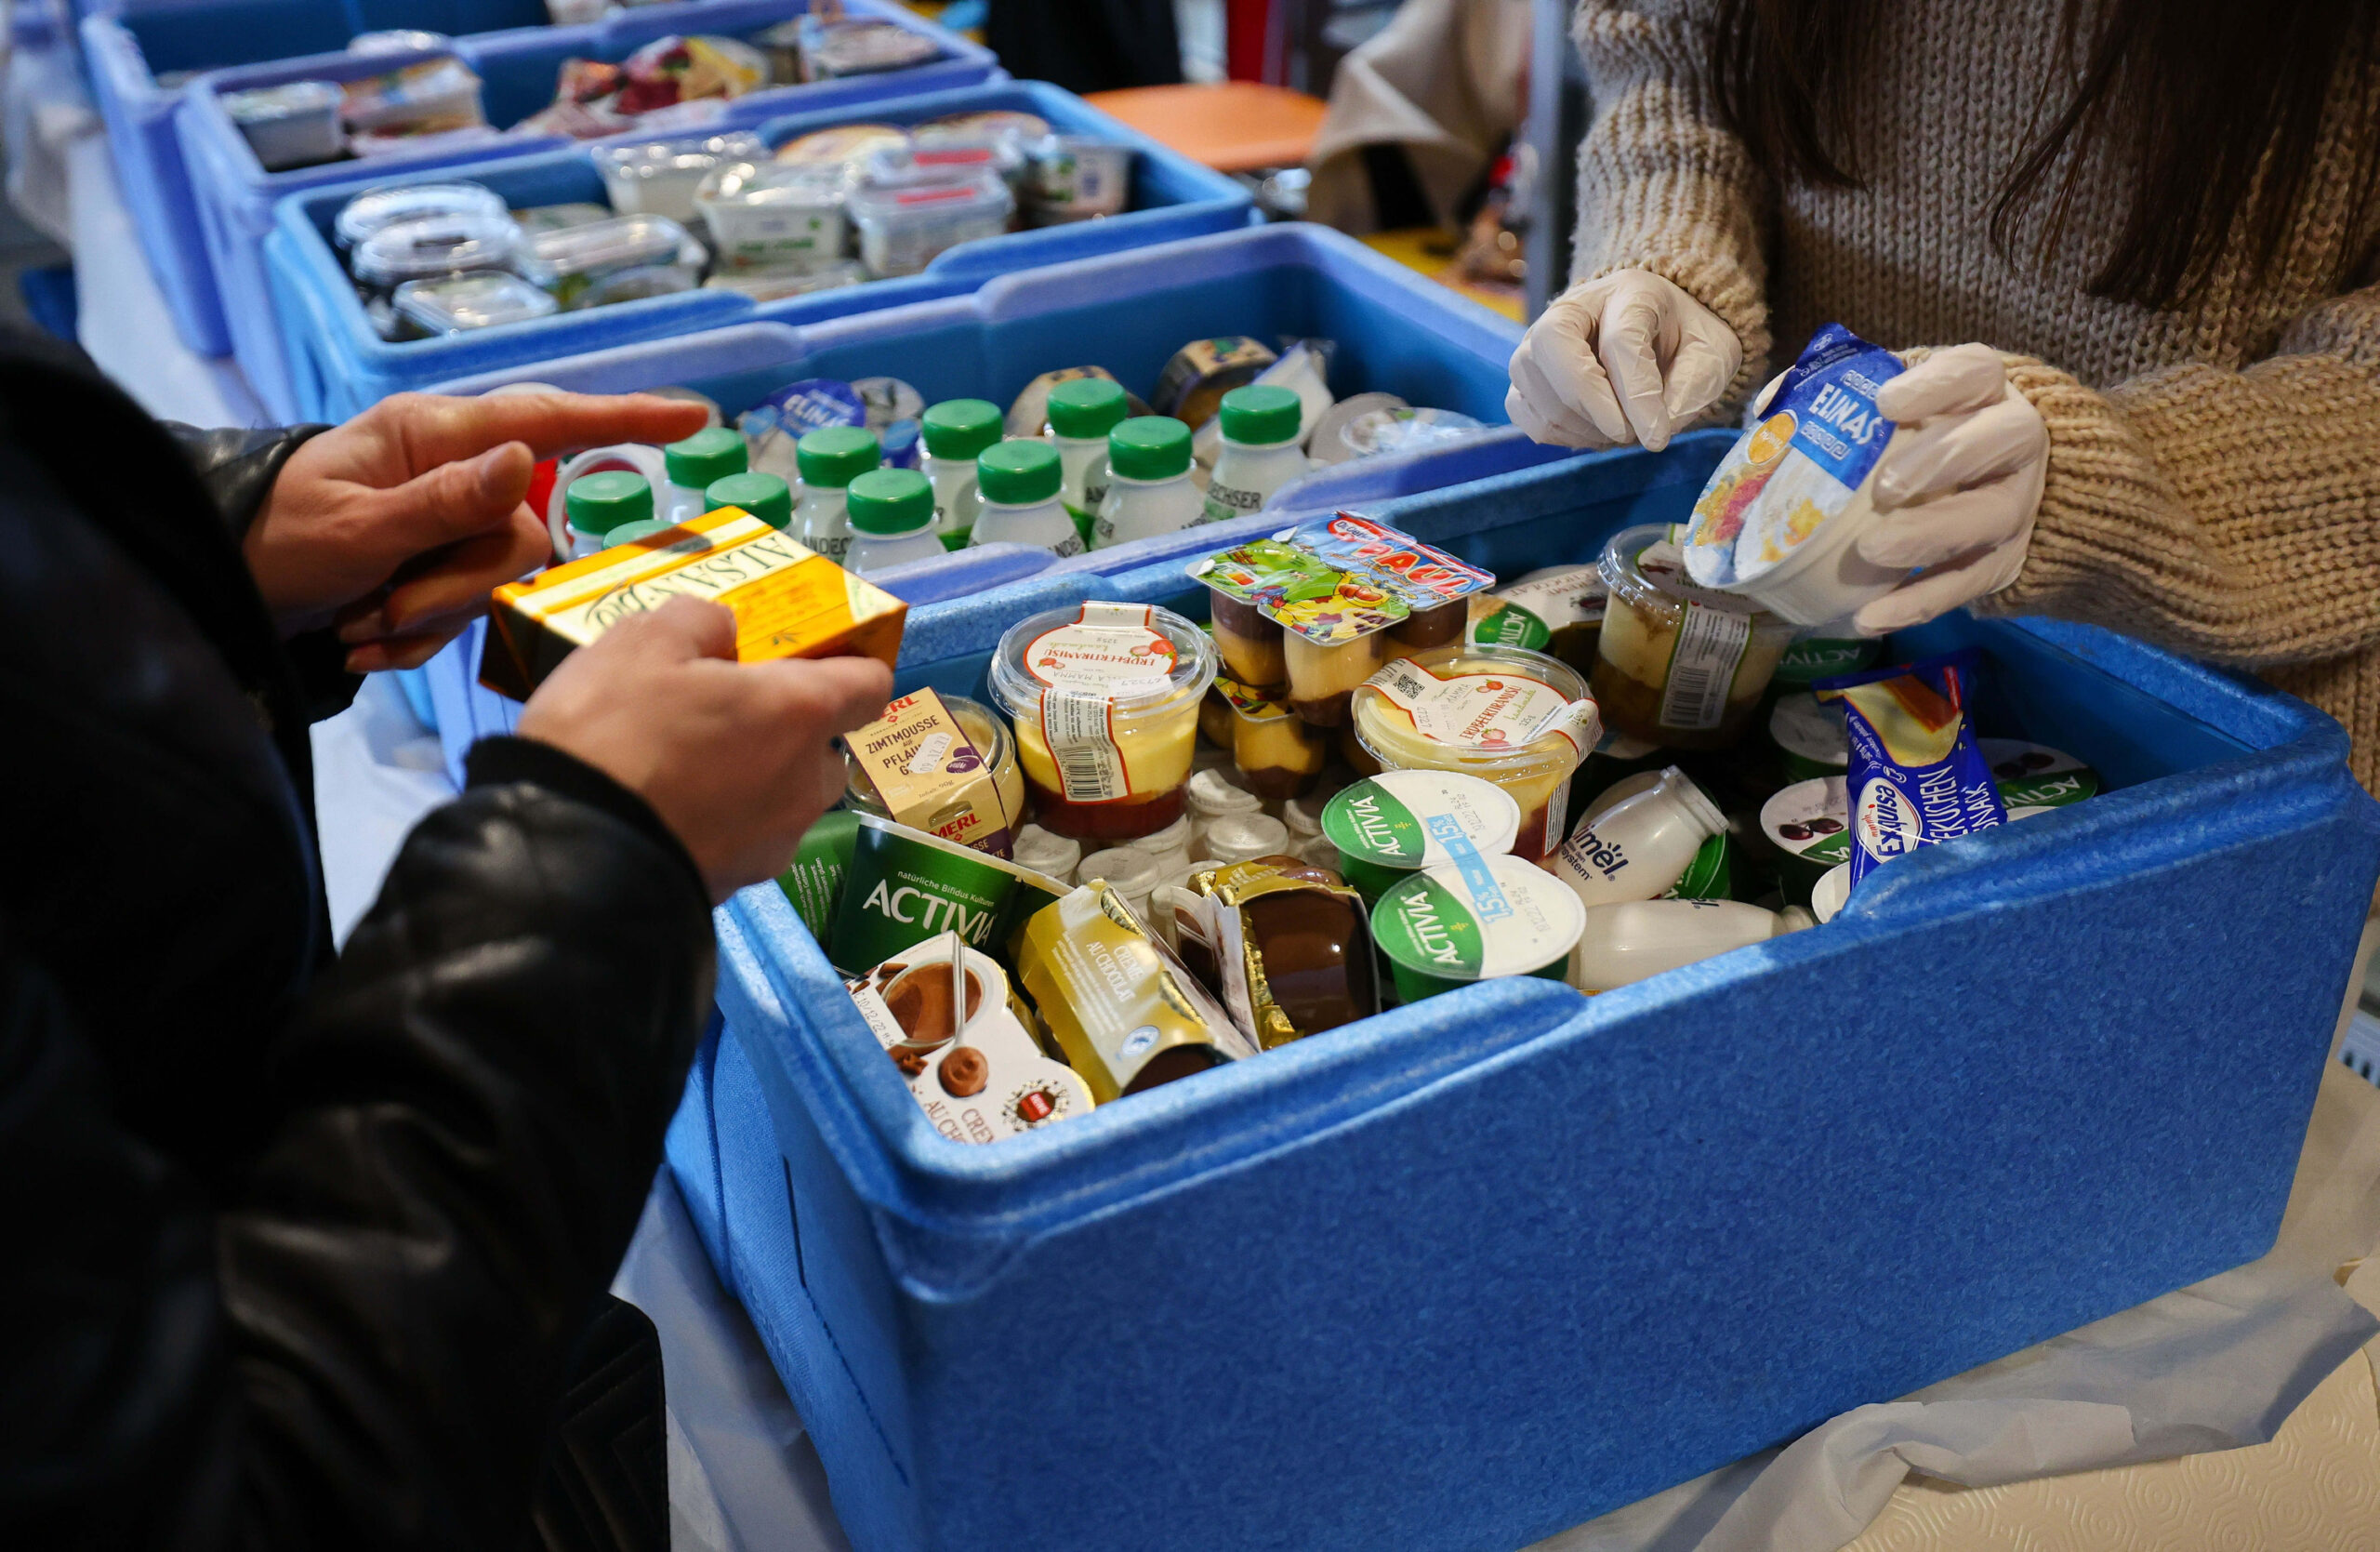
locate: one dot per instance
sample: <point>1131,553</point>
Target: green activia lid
<point>890,501</point>
<point>962,428</point>
<point>1149,448</point>
<point>766,496</point>
<point>1493,916</point>
<point>837,455</point>
<point>599,503</point>
<point>705,456</point>
<point>1261,414</point>
<point>1085,407</point>
<point>1018,473</point>
<point>1404,819</point>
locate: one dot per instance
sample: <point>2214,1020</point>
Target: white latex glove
<point>1958,487</point>
<point>1626,358</point>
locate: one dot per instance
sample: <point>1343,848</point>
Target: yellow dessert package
<point>788,601</point>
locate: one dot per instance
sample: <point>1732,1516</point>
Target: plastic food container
<point>1680,665</point>
<point>570,262</point>
<point>838,48</point>
<point>1104,701</point>
<point>1385,828</point>
<point>768,286</point>
<point>426,97</point>
<point>845,145</point>
<point>902,231</point>
<point>1072,178</point>
<point>429,249</point>
<point>775,216</point>
<point>382,209</point>
<point>294,125</point>
<point>1518,719</point>
<point>660,178</point>
<point>1459,923</point>
<point>458,303</point>
<point>397,40</point>
<point>990,737</point>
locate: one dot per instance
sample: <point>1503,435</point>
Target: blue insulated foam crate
<point>1129,311</point>
<point>339,365</point>
<point>126,51</point>
<point>235,197</point>
<point>1471,1272</point>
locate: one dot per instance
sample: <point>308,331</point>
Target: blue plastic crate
<point>339,365</point>
<point>1469,1273</point>
<point>127,48</point>
<point>1130,311</point>
<point>235,197</point>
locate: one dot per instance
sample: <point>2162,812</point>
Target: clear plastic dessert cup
<point>1104,700</point>
<point>1680,665</point>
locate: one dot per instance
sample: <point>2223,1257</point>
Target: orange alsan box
<point>790,600</point>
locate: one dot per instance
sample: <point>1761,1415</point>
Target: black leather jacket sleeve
<point>362,1345</point>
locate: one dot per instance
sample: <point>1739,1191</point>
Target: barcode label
<point>1702,667</point>
<point>1091,768</point>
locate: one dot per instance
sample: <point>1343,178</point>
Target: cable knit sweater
<point>2213,479</point>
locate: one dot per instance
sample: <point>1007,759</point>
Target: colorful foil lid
<point>1339,579</point>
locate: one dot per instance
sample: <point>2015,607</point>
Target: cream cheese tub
<point>1104,702</point>
<point>1518,719</point>
<point>1475,919</point>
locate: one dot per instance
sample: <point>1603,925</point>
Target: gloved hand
<point>1626,358</point>
<point>1958,487</point>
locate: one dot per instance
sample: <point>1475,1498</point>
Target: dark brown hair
<point>2191,98</point>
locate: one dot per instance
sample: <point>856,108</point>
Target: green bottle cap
<point>835,455</point>
<point>891,502</point>
<point>1019,473</point>
<point>1261,414</point>
<point>705,456</point>
<point>1086,407</point>
<point>766,496</point>
<point>962,428</point>
<point>627,533</point>
<point>1149,448</point>
<point>599,503</point>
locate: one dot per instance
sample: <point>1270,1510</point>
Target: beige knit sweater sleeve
<point>1661,187</point>
<point>2234,515</point>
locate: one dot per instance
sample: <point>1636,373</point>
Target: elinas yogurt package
<point>1781,520</point>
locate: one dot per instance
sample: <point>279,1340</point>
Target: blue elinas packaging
<point>1817,441</point>
<point>1916,777</point>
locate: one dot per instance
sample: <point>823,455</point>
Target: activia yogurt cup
<point>1476,920</point>
<point>1519,719</point>
<point>1389,827</point>
<point>1104,700</point>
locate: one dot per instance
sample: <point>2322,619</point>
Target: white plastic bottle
<point>1082,411</point>
<point>1148,488</point>
<point>955,432</point>
<point>1261,452</point>
<point>831,459</point>
<point>891,513</point>
<point>599,503</point>
<point>764,495</point>
<point>1627,941</point>
<point>694,466</point>
<point>1641,845</point>
<point>635,458</point>
<point>1019,482</point>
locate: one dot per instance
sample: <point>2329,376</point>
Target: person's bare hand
<point>736,758</point>
<point>397,524</point>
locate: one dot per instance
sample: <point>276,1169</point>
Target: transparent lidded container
<point>990,737</point>
<point>1535,776</point>
<point>902,230</point>
<point>1151,720</point>
<point>378,209</point>
<point>774,215</point>
<point>1075,177</point>
<point>432,248</point>
<point>1649,596</point>
<point>659,178</point>
<point>455,304</point>
<point>570,262</point>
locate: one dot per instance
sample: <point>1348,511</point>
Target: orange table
<point>1230,126</point>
